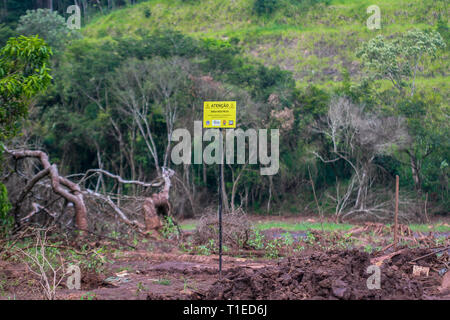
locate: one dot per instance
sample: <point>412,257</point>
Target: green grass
<point>314,42</point>
<point>188,226</point>
<point>424,228</point>
<point>206,16</point>
<point>303,226</point>
<point>327,226</point>
<point>164,282</point>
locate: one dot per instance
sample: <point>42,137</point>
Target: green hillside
<point>316,42</point>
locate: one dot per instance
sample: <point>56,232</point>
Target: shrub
<point>265,6</point>
<point>6,220</point>
<point>236,230</point>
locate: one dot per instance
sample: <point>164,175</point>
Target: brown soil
<point>169,274</point>
<point>331,275</point>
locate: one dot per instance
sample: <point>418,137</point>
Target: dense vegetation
<point>355,107</point>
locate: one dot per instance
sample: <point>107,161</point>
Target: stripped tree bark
<point>60,185</point>
<point>158,201</point>
<point>73,193</point>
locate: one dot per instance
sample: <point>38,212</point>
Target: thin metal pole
<point>220,206</point>
<point>396,210</point>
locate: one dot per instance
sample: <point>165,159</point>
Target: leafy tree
<point>428,125</point>
<point>46,23</point>
<point>23,74</point>
<point>5,33</point>
<point>400,60</point>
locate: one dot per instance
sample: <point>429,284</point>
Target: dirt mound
<point>330,275</point>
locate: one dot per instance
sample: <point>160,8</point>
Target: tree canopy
<point>24,73</point>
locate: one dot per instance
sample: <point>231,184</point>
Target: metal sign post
<point>396,211</point>
<point>220,207</point>
<point>220,114</point>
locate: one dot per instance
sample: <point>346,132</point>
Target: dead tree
<point>73,193</point>
<point>158,202</point>
<point>107,199</point>
<point>68,190</point>
<point>357,137</point>
<point>153,206</point>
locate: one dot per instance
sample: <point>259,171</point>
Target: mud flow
<point>333,275</point>
<point>406,273</point>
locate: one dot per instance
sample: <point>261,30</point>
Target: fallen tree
<point>67,189</point>
<point>78,195</point>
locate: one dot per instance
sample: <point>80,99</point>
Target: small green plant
<point>169,230</point>
<point>273,249</point>
<point>187,285</point>
<point>114,234</point>
<point>135,241</point>
<point>97,260</point>
<point>310,238</point>
<point>288,239</point>
<point>439,241</point>
<point>211,244</point>
<point>257,240</point>
<point>94,260</point>
<point>204,250</point>
<point>186,247</point>
<point>88,296</point>
<point>345,241</point>
<point>164,282</point>
<point>140,288</point>
<point>368,248</point>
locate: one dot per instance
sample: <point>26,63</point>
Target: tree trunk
<point>416,174</point>
<point>362,189</point>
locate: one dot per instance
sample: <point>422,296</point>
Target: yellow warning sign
<point>219,114</point>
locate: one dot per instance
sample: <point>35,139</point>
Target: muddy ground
<point>333,275</point>
<point>316,265</point>
<point>170,274</point>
